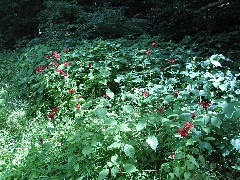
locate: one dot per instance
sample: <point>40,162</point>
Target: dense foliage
<point>125,109</point>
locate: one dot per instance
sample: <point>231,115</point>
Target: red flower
<point>55,109</point>
<point>48,56</point>
<point>54,63</point>
<point>79,97</point>
<point>183,132</point>
<point>51,116</point>
<point>65,74</point>
<point>154,44</point>
<point>47,66</point>
<point>175,94</point>
<point>148,52</point>
<point>89,65</point>
<point>66,50</point>
<point>105,95</point>
<point>172,155</point>
<point>40,69</point>
<point>71,91</point>
<point>171,61</point>
<point>60,71</point>
<point>145,94</point>
<point>160,110</point>
<point>56,54</point>
<point>67,63</point>
<point>162,68</point>
<point>188,126</point>
<point>205,104</point>
<point>193,115</point>
<point>78,106</point>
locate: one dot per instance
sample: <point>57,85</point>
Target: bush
<point>129,109</point>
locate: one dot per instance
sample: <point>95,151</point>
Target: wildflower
<point>71,91</point>
<point>78,106</point>
<point>148,52</point>
<point>40,69</point>
<point>48,56</point>
<point>183,132</point>
<point>171,61</point>
<point>47,66</point>
<point>193,115</point>
<point>56,54</point>
<point>154,44</point>
<point>66,50</point>
<point>160,110</point>
<point>175,94</point>
<point>105,95</point>
<point>65,74</point>
<point>89,65</point>
<point>145,94</point>
<point>55,109</point>
<point>172,155</point>
<point>79,97</point>
<point>51,116</point>
<point>188,126</point>
<point>60,71</point>
<point>67,63</point>
<point>205,104</point>
<point>54,63</point>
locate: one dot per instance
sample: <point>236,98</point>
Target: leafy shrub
<point>129,109</point>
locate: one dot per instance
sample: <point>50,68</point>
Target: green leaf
<point>110,93</point>
<point>176,171</point>
<point>236,167</point>
<point>114,171</point>
<point>114,145</point>
<point>128,108</point>
<point>153,142</point>
<point>141,125</point>
<point>76,167</point>
<point>103,174</point>
<point>129,150</point>
<point>228,109</point>
<point>216,121</point>
<point>130,168</point>
<point>179,155</point>
<point>236,143</point>
<point>236,115</point>
<point>187,175</point>
<point>124,127</point>
<point>110,121</point>
<point>205,145</point>
<point>216,63</point>
<point>87,150</point>
<point>101,112</point>
<point>2,102</point>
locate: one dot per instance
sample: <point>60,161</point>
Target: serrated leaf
<point>187,175</point>
<point>103,174</point>
<point>129,150</point>
<point>153,142</point>
<point>130,168</point>
<point>110,94</point>
<point>87,150</point>
<point>228,109</point>
<point>141,125</point>
<point>128,108</point>
<point>101,112</point>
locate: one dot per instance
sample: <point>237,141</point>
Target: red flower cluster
<point>61,72</point>
<point>71,91</point>
<point>89,65</point>
<point>148,52</point>
<point>105,96</point>
<point>184,132</point>
<point>172,155</point>
<point>175,94</point>
<point>205,104</point>
<point>145,94</point>
<point>154,44</point>
<point>54,63</point>
<point>171,61</point>
<point>56,55</point>
<point>48,56</point>
<point>67,63</point>
<point>40,69</point>
<point>193,116</point>
<point>160,110</point>
<point>66,50</point>
<point>55,109</point>
<point>78,106</point>
<point>51,115</point>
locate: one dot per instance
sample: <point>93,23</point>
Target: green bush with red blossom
<point>129,109</point>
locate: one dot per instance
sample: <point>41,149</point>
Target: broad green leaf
<point>76,167</point>
<point>128,108</point>
<point>236,143</point>
<point>236,167</point>
<point>110,121</point>
<point>187,175</point>
<point>114,145</point>
<point>124,127</point>
<point>153,142</point>
<point>141,125</point>
<point>205,145</point>
<point>216,121</point>
<point>87,150</point>
<point>110,93</point>
<point>114,171</point>
<point>103,174</point>
<point>209,138</point>
<point>191,141</point>
<point>130,168</point>
<point>176,171</point>
<point>228,109</point>
<point>236,115</point>
<point>129,150</point>
<point>86,105</point>
<point>193,160</point>
<point>101,112</point>
<point>202,159</point>
<point>216,63</point>
<point>2,102</point>
<point>179,155</point>
<point>185,116</point>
